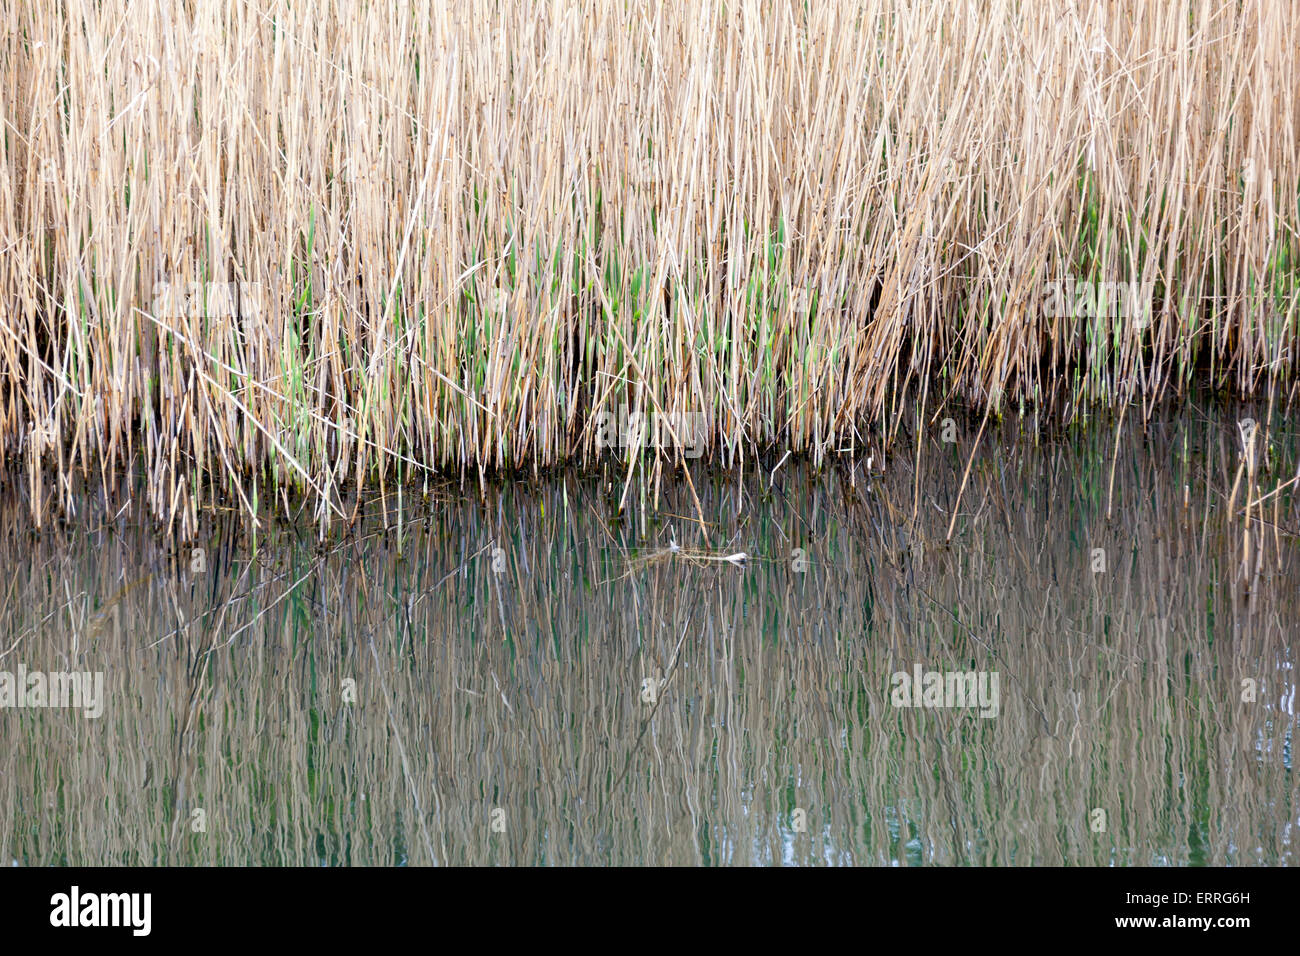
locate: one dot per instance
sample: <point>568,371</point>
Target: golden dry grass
<point>458,231</point>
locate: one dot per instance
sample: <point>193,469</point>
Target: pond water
<point>516,675</point>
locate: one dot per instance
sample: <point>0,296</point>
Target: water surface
<point>504,646</point>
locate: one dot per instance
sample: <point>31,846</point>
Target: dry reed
<point>328,246</point>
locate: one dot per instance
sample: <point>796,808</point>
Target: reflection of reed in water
<point>679,710</point>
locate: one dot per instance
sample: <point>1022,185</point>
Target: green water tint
<point>513,680</point>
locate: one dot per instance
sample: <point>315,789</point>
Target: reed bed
<point>301,249</point>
